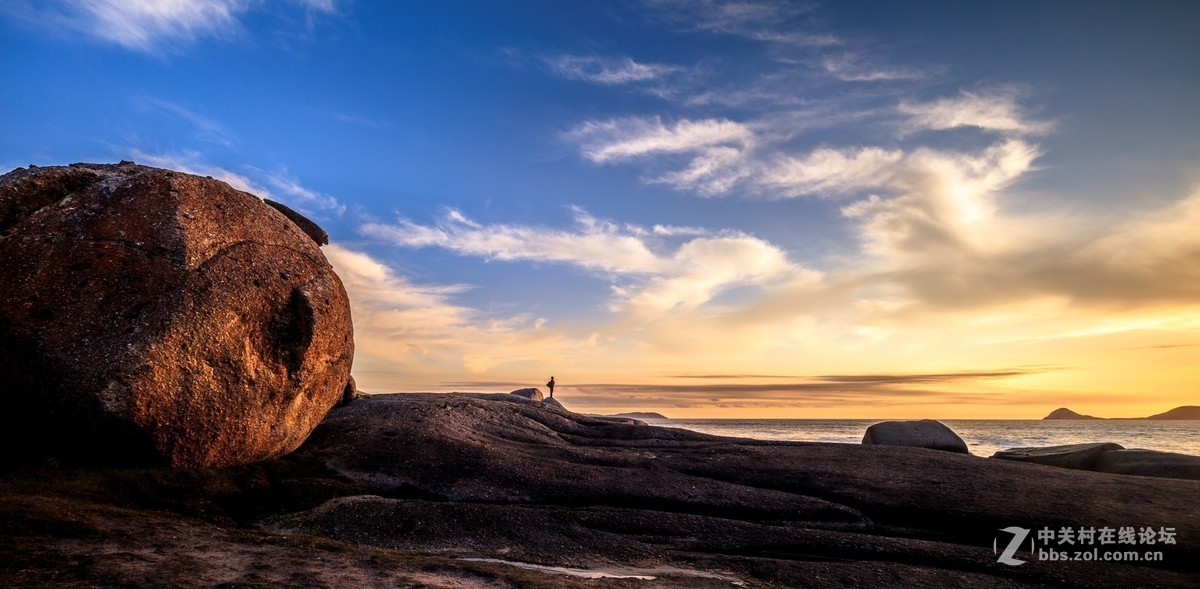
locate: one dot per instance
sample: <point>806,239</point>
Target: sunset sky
<point>707,209</point>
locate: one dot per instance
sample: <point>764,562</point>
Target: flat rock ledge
<point>1111,458</point>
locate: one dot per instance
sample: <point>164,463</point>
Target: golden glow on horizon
<point>1012,326</point>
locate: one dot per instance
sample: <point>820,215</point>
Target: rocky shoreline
<point>398,489</point>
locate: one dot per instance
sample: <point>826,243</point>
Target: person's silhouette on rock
<point>550,385</point>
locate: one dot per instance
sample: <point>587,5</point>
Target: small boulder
<point>1149,463</point>
<point>926,433</point>
<point>349,394</point>
<point>532,394</point>
<point>153,317</point>
<point>1077,456</point>
<point>309,228</point>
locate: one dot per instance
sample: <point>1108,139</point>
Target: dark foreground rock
<point>391,487</point>
<point>150,316</point>
<point>926,433</point>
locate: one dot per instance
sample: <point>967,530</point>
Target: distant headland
<point>1187,412</point>
<point>641,415</point>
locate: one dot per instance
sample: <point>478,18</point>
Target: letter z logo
<point>1006,557</point>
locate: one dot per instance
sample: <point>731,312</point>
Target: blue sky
<point>988,203</point>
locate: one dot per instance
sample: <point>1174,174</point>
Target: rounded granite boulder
<point>925,433</point>
<point>533,394</point>
<point>155,317</point>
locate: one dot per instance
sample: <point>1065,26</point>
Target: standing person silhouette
<point>551,386</point>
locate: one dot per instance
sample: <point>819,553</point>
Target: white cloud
<point>595,244</point>
<point>705,267</point>
<point>990,112</point>
<point>754,158</point>
<point>608,71</point>
<point>715,171</point>
<point>649,277</point>
<point>944,203</point>
<point>616,139</point>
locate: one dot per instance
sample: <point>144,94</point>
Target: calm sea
<point>983,436</point>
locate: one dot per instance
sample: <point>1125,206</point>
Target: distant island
<point>1187,412</point>
<point>641,415</point>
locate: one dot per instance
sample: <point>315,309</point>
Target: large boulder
<point>1077,456</point>
<point>150,316</point>
<point>926,433</point>
<point>532,394</point>
<point>1149,463</point>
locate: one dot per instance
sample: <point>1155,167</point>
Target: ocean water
<point>984,437</point>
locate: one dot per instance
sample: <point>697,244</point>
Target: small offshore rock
<point>926,433</point>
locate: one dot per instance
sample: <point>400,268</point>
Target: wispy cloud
<point>779,22</point>
<point>617,139</point>
<point>191,162</point>
<point>721,156</point>
<point>607,71</point>
<point>207,129</point>
<point>594,244</point>
<point>146,24</point>
<point>295,192</point>
<point>650,278</point>
<point>280,186</point>
<point>152,26</point>
<point>410,329</point>
<point>855,67</point>
<point>354,119</point>
<point>994,111</point>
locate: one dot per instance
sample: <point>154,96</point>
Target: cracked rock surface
<point>156,317</point>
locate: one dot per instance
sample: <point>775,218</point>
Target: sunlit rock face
<point>150,316</point>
